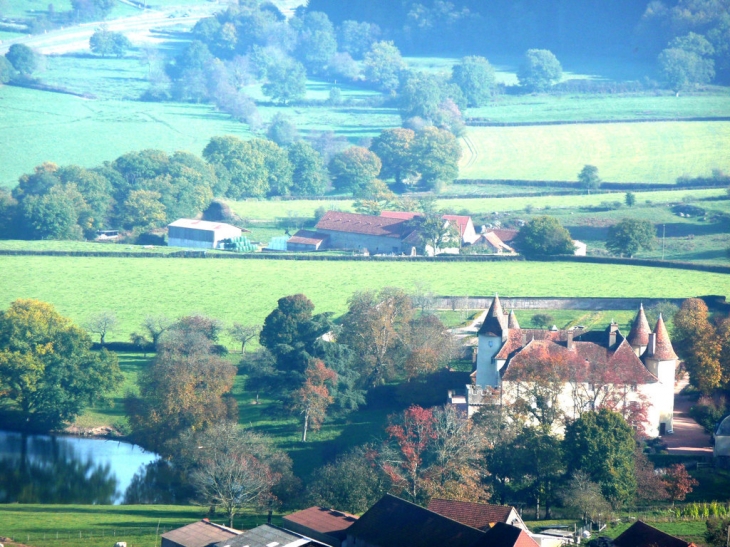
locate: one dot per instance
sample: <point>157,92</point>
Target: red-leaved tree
<point>313,398</point>
<point>679,483</point>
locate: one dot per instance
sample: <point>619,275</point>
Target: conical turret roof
<point>664,350</point>
<point>640,330</point>
<point>512,321</point>
<point>495,322</point>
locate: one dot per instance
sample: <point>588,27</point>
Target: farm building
<point>597,368</point>
<point>641,534</point>
<point>580,248</point>
<point>379,235</point>
<point>722,439</point>
<point>477,515</point>
<point>268,535</point>
<point>463,223</point>
<point>491,241</point>
<point>200,234</point>
<point>307,240</point>
<point>320,523</point>
<point>198,534</point>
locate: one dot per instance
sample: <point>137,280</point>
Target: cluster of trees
<point>105,42</point>
<point>18,63</point>
<point>48,373</point>
<point>625,28</point>
<point>704,344</point>
<point>381,338</point>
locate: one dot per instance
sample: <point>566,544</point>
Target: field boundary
<point>711,268</point>
<point>485,122</point>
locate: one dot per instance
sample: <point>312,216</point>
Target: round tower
<point>491,336</point>
<point>640,330</point>
<point>661,361</point>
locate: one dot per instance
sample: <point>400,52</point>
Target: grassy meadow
<point>247,290</point>
<point>630,152</point>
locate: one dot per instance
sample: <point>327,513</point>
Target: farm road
<point>689,437</point>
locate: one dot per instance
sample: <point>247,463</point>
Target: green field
<point>639,152</point>
<point>103,525</point>
<point>548,108</point>
<point>247,290</point>
<point>269,210</point>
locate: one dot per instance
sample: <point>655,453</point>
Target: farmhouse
<point>200,234</point>
<point>482,516</point>
<point>463,223</point>
<point>379,235</point>
<point>633,375</point>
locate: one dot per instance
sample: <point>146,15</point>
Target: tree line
<point>141,191</point>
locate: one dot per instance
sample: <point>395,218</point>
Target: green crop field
<point>640,152</point>
<point>269,210</point>
<point>247,290</point>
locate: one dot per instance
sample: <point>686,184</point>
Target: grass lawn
<point>651,152</point>
<point>103,525</point>
<point>247,290</point>
<point>269,210</point>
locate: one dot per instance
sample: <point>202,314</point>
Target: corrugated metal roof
<point>200,534</point>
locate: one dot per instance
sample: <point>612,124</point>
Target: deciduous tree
<point>540,69</point>
<point>696,339</point>
<point>47,368</point>
<point>630,236</point>
<point>313,398</point>
<point>588,177</point>
<point>393,147</point>
<point>23,59</point>
<point>354,170</point>
<point>475,77</point>
<point>678,482</point>
<point>544,236</point>
<point>436,155</point>
<point>244,334</point>
<point>104,42</point>
<point>309,173</point>
<point>383,65</point>
<point>102,323</point>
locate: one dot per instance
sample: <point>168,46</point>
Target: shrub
<point>708,411</point>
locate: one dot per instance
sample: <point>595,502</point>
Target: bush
<point>708,412</point>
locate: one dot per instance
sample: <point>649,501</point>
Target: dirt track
<point>689,437</point>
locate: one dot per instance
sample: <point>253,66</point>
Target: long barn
<point>199,234</point>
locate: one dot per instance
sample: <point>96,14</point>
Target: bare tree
<point>156,325</point>
<point>102,323</point>
<point>244,334</point>
<point>232,468</point>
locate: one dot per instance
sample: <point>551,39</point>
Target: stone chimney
<point>651,348</point>
<point>570,339</point>
<point>612,331</point>
<point>524,339</point>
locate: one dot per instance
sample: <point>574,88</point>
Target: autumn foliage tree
<point>434,452</point>
<point>698,342</point>
<point>313,398</point>
<point>678,482</point>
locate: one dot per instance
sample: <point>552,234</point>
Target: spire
<point>664,350</point>
<point>512,322</point>
<point>495,322</point>
<point>640,330</point>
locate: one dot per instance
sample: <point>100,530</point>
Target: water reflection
<point>46,469</point>
<point>158,483</point>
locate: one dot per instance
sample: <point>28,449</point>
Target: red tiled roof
<point>505,535</point>
<point>494,240</point>
<point>476,515</point>
<point>641,534</point>
<point>200,534</point>
<point>307,237</point>
<point>588,361</point>
<point>664,350</point>
<point>506,235</point>
<point>364,224</point>
<point>460,220</point>
<point>322,520</point>
<point>640,330</point>
<point>514,340</point>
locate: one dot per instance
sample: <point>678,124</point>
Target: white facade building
<point>633,375</point>
<point>199,234</point>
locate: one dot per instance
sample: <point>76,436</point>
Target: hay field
<point>247,290</point>
<point>632,152</point>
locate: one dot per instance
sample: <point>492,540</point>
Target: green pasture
<point>549,108</point>
<point>103,525</point>
<point>270,210</point>
<point>247,290</point>
<point>623,152</point>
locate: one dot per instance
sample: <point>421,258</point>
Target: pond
<point>69,470</point>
